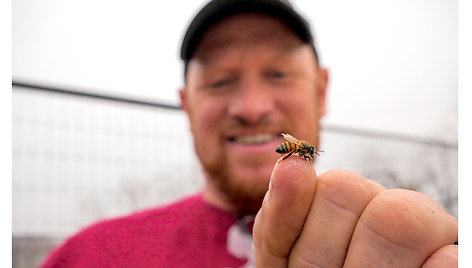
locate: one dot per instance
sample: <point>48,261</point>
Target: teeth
<point>256,138</point>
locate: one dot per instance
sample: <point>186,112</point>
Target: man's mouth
<point>254,139</point>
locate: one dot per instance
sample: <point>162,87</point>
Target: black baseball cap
<point>216,10</point>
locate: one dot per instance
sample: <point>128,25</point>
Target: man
<point>252,73</point>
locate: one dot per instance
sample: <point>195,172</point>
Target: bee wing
<point>291,139</point>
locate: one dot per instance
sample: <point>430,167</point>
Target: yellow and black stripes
<point>286,147</point>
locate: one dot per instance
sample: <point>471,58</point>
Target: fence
<point>81,157</point>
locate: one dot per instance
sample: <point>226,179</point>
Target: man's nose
<point>252,103</point>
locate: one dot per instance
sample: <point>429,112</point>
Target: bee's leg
<point>288,155</point>
<point>306,157</point>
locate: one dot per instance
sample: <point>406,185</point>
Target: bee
<point>294,145</point>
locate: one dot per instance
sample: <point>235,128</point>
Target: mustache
<point>243,122</point>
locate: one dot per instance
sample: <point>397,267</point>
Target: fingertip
<point>295,163</point>
<point>290,171</point>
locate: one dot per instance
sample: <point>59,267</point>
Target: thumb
<point>284,210</point>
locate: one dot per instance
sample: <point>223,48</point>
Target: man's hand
<point>341,219</point>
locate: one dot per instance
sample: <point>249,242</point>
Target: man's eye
<point>277,74</point>
<point>220,83</point>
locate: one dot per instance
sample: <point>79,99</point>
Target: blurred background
<point>97,131</point>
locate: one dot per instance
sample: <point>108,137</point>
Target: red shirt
<point>188,233</point>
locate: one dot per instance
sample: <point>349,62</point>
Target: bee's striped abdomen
<point>286,147</point>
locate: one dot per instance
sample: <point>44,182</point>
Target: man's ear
<point>322,88</point>
<point>183,103</point>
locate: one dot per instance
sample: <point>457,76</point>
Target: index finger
<point>283,212</point>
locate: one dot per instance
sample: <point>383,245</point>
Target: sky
<point>392,64</point>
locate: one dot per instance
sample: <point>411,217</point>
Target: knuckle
<point>257,229</point>
<point>338,182</point>
<point>446,256</point>
<point>266,241</point>
<point>402,217</point>
<point>347,189</point>
<point>309,259</point>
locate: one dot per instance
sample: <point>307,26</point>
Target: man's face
<point>250,79</point>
